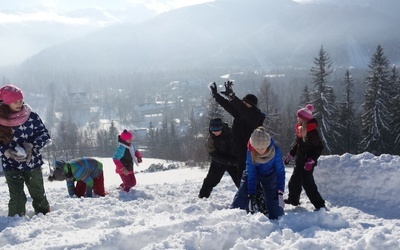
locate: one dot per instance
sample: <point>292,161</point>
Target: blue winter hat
<point>216,124</point>
<point>59,173</point>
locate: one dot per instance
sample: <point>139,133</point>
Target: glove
<point>280,199</point>
<point>228,89</point>
<point>309,164</point>
<point>252,203</point>
<point>213,88</point>
<point>28,150</point>
<point>12,154</point>
<point>287,159</point>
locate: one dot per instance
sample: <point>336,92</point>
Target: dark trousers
<point>214,176</point>
<point>304,179</point>
<point>34,182</point>
<point>269,184</point>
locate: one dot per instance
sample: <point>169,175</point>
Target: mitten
<point>213,88</point>
<point>13,154</point>
<point>228,89</point>
<point>89,191</point>
<point>287,159</point>
<point>252,203</point>
<point>28,150</point>
<point>309,164</point>
<point>280,199</point>
<point>138,156</point>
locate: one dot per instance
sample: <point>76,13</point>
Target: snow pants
<point>34,182</point>
<point>82,190</point>
<point>128,181</point>
<point>214,176</point>
<point>304,179</point>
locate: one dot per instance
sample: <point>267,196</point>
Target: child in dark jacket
<point>307,148</point>
<point>87,172</point>
<point>22,136</point>
<point>219,146</point>
<point>263,166</point>
<point>124,158</point>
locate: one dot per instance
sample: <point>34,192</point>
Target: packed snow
<point>163,212</point>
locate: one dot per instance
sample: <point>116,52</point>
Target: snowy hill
<point>163,212</point>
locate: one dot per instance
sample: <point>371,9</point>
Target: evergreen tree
<point>377,118</point>
<point>152,141</point>
<point>324,101</point>
<point>348,125</point>
<point>305,97</point>
<point>395,82</point>
<point>268,104</point>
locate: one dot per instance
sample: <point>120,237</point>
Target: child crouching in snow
<point>124,158</point>
<point>88,173</point>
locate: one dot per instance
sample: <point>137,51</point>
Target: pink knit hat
<point>126,135</point>
<point>306,113</point>
<point>10,93</point>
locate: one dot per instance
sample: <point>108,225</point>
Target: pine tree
<point>377,119</point>
<point>395,82</point>
<point>305,97</point>
<point>268,104</point>
<point>348,125</point>
<point>324,101</point>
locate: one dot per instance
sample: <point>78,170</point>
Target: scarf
<point>17,118</point>
<point>130,148</point>
<point>264,158</point>
<point>309,127</point>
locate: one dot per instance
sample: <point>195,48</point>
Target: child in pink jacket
<point>125,156</point>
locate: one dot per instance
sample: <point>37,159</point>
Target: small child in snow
<point>125,156</point>
<point>86,171</point>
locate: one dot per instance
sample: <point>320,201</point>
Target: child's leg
<point>129,181</point>
<point>15,182</point>
<point>80,189</point>
<point>98,185</point>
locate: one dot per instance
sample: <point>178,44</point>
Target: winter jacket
<point>82,169</point>
<point>310,148</point>
<point>246,120</point>
<point>31,131</point>
<point>220,147</point>
<point>125,156</point>
<point>275,164</point>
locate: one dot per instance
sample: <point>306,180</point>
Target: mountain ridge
<point>233,34</point>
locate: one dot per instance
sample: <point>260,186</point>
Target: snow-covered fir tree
<point>324,101</point>
<point>348,125</point>
<point>376,131</point>
<point>395,83</point>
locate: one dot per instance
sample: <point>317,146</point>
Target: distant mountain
<point>236,33</point>
<point>25,33</point>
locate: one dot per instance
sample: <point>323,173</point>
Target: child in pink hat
<point>22,135</point>
<point>124,158</point>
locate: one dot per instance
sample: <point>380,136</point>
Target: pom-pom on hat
<point>10,93</point>
<point>216,124</point>
<point>260,138</point>
<point>250,99</point>
<point>306,113</point>
<point>126,135</point>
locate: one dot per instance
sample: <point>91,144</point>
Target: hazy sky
<point>63,5</point>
